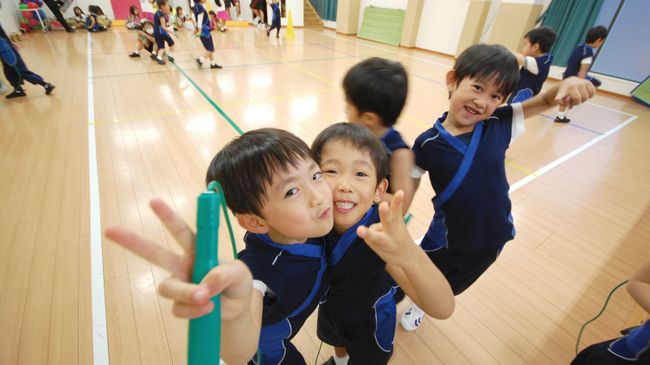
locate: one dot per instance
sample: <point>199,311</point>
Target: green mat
<point>382,25</point>
<point>642,92</point>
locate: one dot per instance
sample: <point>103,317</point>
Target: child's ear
<point>380,190</point>
<point>370,119</point>
<point>252,223</point>
<point>535,47</point>
<point>451,80</point>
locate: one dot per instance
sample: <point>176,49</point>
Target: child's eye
<point>477,87</point>
<point>291,192</point>
<point>329,172</point>
<point>361,174</point>
<point>317,176</point>
<point>497,97</point>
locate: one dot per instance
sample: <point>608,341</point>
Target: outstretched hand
<point>232,279</point>
<point>573,91</point>
<point>389,238</point>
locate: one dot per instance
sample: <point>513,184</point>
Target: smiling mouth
<point>472,111</point>
<point>344,206</point>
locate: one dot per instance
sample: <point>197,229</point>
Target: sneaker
<point>411,319</point>
<point>329,361</point>
<point>49,88</point>
<point>562,120</point>
<point>134,55</point>
<point>268,31</point>
<point>153,56</point>
<point>170,58</point>
<point>160,62</point>
<point>198,62</point>
<point>216,66</point>
<point>16,94</point>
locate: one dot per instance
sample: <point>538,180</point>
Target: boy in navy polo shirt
<point>464,154</point>
<point>203,32</point>
<point>357,315</point>
<point>535,62</point>
<point>580,61</point>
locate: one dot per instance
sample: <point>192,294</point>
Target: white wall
<point>441,25</point>
<point>390,4</point>
<point>8,16</point>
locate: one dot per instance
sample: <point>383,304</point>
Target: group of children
<point>320,231</point>
<point>95,21</point>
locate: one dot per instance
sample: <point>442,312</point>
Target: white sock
<point>136,51</point>
<point>560,114</point>
<point>341,360</point>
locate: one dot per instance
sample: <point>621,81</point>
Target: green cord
<point>598,315</point>
<point>215,186</point>
<point>318,353</point>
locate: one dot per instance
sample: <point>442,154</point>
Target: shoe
<point>562,120</point>
<point>411,319</point>
<point>277,36</point>
<point>49,88</point>
<point>170,58</point>
<point>216,66</point>
<point>70,30</point>
<point>198,62</point>
<point>16,94</point>
<point>268,31</point>
<point>134,55</point>
<point>160,62</point>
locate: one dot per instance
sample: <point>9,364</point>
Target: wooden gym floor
<point>117,132</point>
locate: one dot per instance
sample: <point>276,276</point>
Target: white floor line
<point>610,109</point>
<point>100,338</point>
<point>559,161</point>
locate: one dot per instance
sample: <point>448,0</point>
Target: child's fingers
<point>191,311</point>
<point>144,248</point>
<point>397,203</point>
<point>182,292</point>
<point>233,279</point>
<point>174,224</point>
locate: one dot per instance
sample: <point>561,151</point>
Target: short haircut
<point>361,138</point>
<point>543,36</point>
<point>377,85</point>
<point>484,62</point>
<point>245,166</point>
<point>596,33</point>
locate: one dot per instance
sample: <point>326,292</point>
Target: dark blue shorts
<point>162,38</point>
<point>462,269</point>
<point>207,43</point>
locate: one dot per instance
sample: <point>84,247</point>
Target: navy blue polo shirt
<point>529,83</point>
<point>581,52</point>
<point>478,214</point>
<point>393,141</point>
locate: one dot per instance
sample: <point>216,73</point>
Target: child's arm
<point>582,71</point>
<point>241,306</point>
<point>569,92</point>
<point>401,164</point>
<point>639,287</point>
<point>407,263</point>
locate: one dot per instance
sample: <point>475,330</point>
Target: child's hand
<point>232,279</point>
<point>573,91</point>
<point>390,239</point>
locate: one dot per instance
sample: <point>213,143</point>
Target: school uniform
<point>204,33</point>
<point>13,65</point>
<point>358,311</point>
<point>159,33</point>
<point>472,220</point>
<point>276,21</point>
<point>530,84</point>
<point>633,348</point>
<point>294,277</point>
<point>393,141</point>
<point>582,54</point>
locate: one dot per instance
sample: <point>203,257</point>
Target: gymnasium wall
<point>474,22</point>
<point>8,16</point>
<point>513,19</point>
<point>441,25</point>
<point>390,4</point>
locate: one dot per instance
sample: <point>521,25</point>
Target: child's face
<point>298,205</point>
<point>77,11</point>
<point>530,49</point>
<point>472,100</point>
<point>352,177</point>
<point>599,42</point>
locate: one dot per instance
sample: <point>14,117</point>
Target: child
<point>222,15</point>
<point>580,61</point>
<point>133,21</point>
<point>375,94</point>
<point>357,315</point>
<point>203,31</point>
<point>464,154</point>
<point>16,70</point>
<point>180,18</point>
<point>145,40</point>
<point>102,19</point>
<point>229,4</point>
<point>633,347</point>
<point>79,17</point>
<point>161,32</point>
<point>535,62</point>
<point>92,21</point>
<point>213,20</point>
<point>276,22</point>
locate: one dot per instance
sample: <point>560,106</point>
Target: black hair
<point>132,8</point>
<point>377,85</point>
<point>595,34</point>
<point>161,3</point>
<point>75,8</point>
<point>361,138</point>
<point>484,62</point>
<point>246,165</point>
<point>543,36</point>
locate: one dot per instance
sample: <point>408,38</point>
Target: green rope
<point>318,353</point>
<point>599,314</point>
